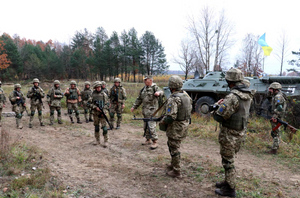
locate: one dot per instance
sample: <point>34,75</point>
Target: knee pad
<point>32,113</point>
<point>119,115</point>
<point>77,112</point>
<point>70,111</point>
<point>111,115</point>
<point>58,112</point>
<point>40,113</point>
<point>97,128</point>
<point>104,130</point>
<point>86,111</point>
<point>51,113</point>
<point>19,115</point>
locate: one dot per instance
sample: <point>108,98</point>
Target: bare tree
<point>282,50</point>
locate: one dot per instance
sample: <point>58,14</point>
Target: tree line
<point>88,56</point>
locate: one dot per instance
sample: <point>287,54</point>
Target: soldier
<point>117,96</point>
<point>17,99</point>
<point>86,94</point>
<point>103,87</point>
<point>177,117</point>
<point>278,107</point>
<point>232,114</point>
<point>73,98</point>
<point>54,97</point>
<point>2,101</point>
<point>149,98</point>
<point>36,94</point>
<point>99,98</point>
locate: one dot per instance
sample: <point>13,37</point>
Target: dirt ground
<point>128,169</point>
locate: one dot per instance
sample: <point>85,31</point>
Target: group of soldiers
<point>232,113</point>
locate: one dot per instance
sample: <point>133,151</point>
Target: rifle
<point>38,96</point>
<point>146,120</point>
<point>100,106</point>
<point>20,101</point>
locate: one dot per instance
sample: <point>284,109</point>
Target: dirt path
<point>128,169</point>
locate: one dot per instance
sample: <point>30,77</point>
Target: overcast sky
<point>167,19</point>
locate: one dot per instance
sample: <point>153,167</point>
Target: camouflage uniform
<point>117,96</point>
<point>2,100</point>
<point>36,93</point>
<point>17,104</point>
<point>149,105</point>
<point>85,95</point>
<point>73,98</point>
<point>99,98</point>
<point>103,88</point>
<point>233,113</point>
<point>178,113</point>
<point>278,107</point>
<point>54,97</point>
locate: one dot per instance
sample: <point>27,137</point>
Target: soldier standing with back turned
<point>176,121</point>
<point>2,101</point>
<point>17,99</point>
<point>54,97</point>
<point>85,95</point>
<point>73,98</point>
<point>36,94</point>
<point>117,96</point>
<point>149,98</point>
<point>232,114</point>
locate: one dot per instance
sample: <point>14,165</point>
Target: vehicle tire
<point>203,104</point>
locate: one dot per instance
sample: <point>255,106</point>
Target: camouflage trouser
<point>276,136</point>
<point>151,130</point>
<point>87,111</point>
<point>52,109</point>
<point>71,107</point>
<point>174,149</point>
<point>97,122</point>
<point>33,107</point>
<point>19,113</point>
<point>0,114</point>
<point>230,143</point>
<point>115,108</point>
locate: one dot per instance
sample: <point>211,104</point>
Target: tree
<point>4,62</point>
<point>282,48</point>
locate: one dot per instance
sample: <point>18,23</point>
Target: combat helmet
<point>103,82</point>
<point>275,85</point>
<point>97,84</point>
<point>87,83</point>
<point>35,80</point>
<point>56,82</point>
<point>73,82</point>
<point>175,82</point>
<point>234,75</point>
<point>117,80</point>
<point>17,86</point>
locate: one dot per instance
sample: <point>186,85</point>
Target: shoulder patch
<point>222,108</point>
<point>169,108</point>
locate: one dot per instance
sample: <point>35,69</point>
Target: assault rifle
<point>38,96</point>
<point>100,106</point>
<point>20,101</point>
<point>147,120</point>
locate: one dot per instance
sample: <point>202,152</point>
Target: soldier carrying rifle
<point>17,99</point>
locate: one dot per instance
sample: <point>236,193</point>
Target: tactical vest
<point>98,97</point>
<point>273,106</point>
<point>73,94</point>
<point>238,120</point>
<point>185,109</point>
<point>86,93</point>
<point>55,92</point>
<point>116,94</point>
<point>2,96</point>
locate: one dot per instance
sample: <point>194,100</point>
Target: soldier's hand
<point>220,101</point>
<point>98,109</point>
<point>109,105</point>
<point>132,109</point>
<point>3,105</point>
<point>157,93</point>
<point>123,106</point>
<point>54,96</point>
<point>274,120</point>
<point>24,104</point>
<point>18,98</point>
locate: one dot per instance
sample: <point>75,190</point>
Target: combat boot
<point>174,173</point>
<point>87,120</point>
<point>147,142</point>
<point>105,144</point>
<point>169,167</point>
<point>272,151</point>
<point>30,125</point>
<point>118,126</point>
<point>226,191</point>
<point>78,121</point>
<point>154,145</point>
<point>19,125</point>
<point>72,121</point>
<point>42,124</point>
<point>59,122</point>
<point>51,123</point>
<point>221,184</point>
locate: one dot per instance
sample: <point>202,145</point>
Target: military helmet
<point>17,86</point>
<point>56,82</point>
<point>275,85</point>
<point>175,82</point>
<point>35,80</point>
<point>117,80</point>
<point>97,84</point>
<point>234,75</point>
<point>87,83</point>
<point>73,82</point>
<point>103,82</point>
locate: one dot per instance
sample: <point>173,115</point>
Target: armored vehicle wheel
<point>202,105</point>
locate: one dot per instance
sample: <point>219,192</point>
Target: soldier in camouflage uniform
<point>103,87</point>
<point>54,97</point>
<point>36,93</point>
<point>85,95</point>
<point>73,98</point>
<point>232,114</point>
<point>278,107</point>
<point>99,98</point>
<point>17,99</point>
<point>117,96</point>
<point>2,101</point>
<point>178,114</point>
<point>148,97</point>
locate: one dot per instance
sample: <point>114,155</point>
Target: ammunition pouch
<point>163,126</point>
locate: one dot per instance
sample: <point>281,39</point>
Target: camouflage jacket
<point>2,98</point>
<point>278,105</point>
<point>73,95</point>
<point>55,101</point>
<point>104,90</point>
<point>86,94</point>
<point>98,98</point>
<point>13,98</point>
<point>34,93</point>
<point>148,100</point>
<point>117,94</point>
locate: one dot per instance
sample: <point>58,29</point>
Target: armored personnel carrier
<point>212,87</point>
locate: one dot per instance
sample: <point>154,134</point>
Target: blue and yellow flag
<point>262,41</point>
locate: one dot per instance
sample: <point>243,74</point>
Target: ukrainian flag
<point>262,42</point>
